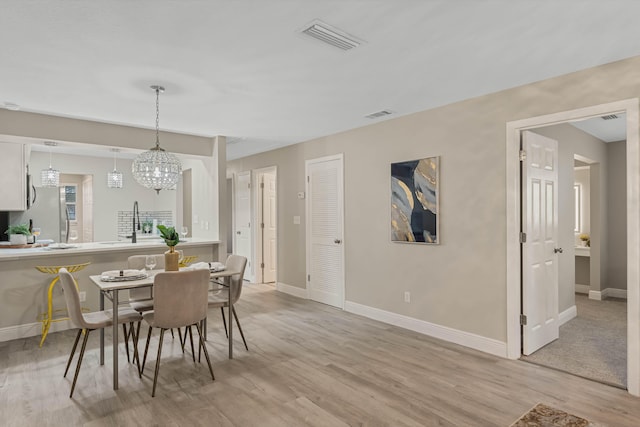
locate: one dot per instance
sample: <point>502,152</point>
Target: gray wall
<point>616,274</point>
<point>460,284</point>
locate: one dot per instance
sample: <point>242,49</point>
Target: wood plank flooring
<point>308,364</point>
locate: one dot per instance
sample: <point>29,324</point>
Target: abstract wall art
<point>414,201</point>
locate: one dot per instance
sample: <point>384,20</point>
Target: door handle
<point>337,241</point>
<point>557,250</point>
<point>237,232</point>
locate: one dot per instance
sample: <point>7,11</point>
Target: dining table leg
<point>115,339</point>
<point>101,330</point>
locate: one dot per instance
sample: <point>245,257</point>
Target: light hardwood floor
<point>308,364</point>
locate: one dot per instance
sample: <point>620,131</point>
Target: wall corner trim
<point>292,290</point>
<point>466,339</point>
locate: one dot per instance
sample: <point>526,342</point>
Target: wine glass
<point>180,257</point>
<point>184,231</point>
<point>73,235</point>
<point>150,262</point>
<point>36,232</point>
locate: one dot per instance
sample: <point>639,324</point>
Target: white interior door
<point>243,220</point>
<point>269,228</point>
<point>539,251</point>
<point>324,217</point>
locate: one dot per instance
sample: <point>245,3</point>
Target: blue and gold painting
<point>414,201</point>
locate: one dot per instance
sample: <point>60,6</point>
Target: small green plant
<point>18,229</point>
<point>170,235</point>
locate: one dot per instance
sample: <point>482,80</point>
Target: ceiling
<point>610,128</point>
<point>243,68</point>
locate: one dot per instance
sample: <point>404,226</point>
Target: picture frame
<point>415,201</point>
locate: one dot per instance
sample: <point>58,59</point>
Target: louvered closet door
<point>325,248</point>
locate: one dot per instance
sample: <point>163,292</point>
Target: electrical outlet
<point>407,296</point>
<point>83,296</point>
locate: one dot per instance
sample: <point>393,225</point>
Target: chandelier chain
<point>157,117</point>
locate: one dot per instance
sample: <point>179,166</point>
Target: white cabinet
<point>13,176</point>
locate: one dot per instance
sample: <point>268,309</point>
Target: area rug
<point>545,416</point>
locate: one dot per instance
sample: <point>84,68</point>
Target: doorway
<point>589,327</point>
<point>514,252</point>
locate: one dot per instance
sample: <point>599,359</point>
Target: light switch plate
<point>296,219</point>
<point>301,195</point>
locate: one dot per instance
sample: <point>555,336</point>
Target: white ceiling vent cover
<point>331,35</point>
<point>378,114</point>
<point>610,117</point>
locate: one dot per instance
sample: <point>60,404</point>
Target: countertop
<point>97,247</point>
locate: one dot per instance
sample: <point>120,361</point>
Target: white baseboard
<point>477,342</point>
<point>31,330</point>
<point>292,290</point>
<point>608,292</point>
<point>567,315</point>
<point>582,289</point>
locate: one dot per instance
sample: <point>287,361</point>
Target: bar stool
<point>47,318</point>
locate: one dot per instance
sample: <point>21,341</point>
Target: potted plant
<point>586,240</point>
<point>171,238</point>
<point>18,234</point>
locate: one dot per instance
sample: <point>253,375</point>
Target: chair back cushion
<point>138,262</point>
<point>72,297</point>
<point>180,298</point>
<point>239,263</point>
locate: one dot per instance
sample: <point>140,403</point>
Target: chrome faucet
<point>136,213</point>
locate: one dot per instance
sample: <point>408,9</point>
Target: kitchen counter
<point>23,289</point>
<point>97,247</point>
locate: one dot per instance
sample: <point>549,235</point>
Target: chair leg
<point>146,348</point>
<point>173,336</point>
<point>84,346</point>
<point>73,351</point>
<point>134,341</point>
<point>224,322</point>
<point>206,353</point>
<point>155,376</point>
<point>239,328</point>
<point>126,341</point>
<point>193,353</point>
<point>203,326</point>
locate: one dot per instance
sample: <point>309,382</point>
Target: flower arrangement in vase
<point>171,238</point>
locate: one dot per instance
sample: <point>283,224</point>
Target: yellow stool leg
<point>46,323</point>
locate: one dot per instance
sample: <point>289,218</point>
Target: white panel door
<point>242,244</point>
<point>269,228</point>
<point>325,212</point>
<point>540,251</point>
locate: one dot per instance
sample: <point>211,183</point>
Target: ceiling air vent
<point>330,35</point>
<point>378,114</point>
<point>609,117</point>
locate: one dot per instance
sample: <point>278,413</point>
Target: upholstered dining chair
<point>87,322</point>
<point>179,300</point>
<point>220,297</point>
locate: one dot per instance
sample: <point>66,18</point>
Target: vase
<point>18,239</point>
<point>171,258</point>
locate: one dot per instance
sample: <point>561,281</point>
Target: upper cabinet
<point>13,177</point>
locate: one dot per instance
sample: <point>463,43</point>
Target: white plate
<point>61,246</point>
<point>122,275</point>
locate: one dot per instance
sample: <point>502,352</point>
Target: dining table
<point>111,289</point>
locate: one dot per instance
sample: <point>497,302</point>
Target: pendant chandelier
<point>50,177</point>
<point>114,179</point>
<point>156,168</point>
